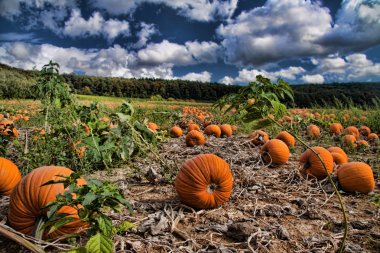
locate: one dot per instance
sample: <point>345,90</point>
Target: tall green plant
<point>260,102</point>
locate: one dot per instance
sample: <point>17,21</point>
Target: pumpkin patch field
<point>195,179</point>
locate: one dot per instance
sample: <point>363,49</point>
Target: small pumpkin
<point>362,144</point>
<point>226,130</point>
<point>287,138</point>
<point>356,177</point>
<point>364,130</point>
<point>213,130</point>
<point>312,166</point>
<point>259,137</point>
<point>336,128</point>
<point>275,152</point>
<point>313,131</point>
<point>373,137</point>
<point>7,128</point>
<point>204,182</point>
<point>176,132</point>
<point>152,126</point>
<point>339,158</point>
<point>192,126</point>
<point>29,198</point>
<point>352,130</point>
<point>194,138</point>
<point>349,140</point>
<point>9,176</point>
<point>339,151</point>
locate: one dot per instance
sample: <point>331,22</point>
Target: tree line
<point>17,83</point>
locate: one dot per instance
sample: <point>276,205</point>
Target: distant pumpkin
<point>194,138</point>
<point>336,128</point>
<point>356,177</point>
<point>192,126</point>
<point>176,132</point>
<point>340,151</point>
<point>152,126</point>
<point>213,130</point>
<point>259,137</point>
<point>313,131</point>
<point>287,138</point>
<point>352,130</point>
<point>364,130</point>
<point>349,140</point>
<point>373,137</point>
<point>226,130</point>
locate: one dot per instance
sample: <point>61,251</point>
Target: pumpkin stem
<point>211,187</point>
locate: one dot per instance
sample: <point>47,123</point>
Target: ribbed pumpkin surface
<point>313,166</point>
<point>176,132</point>
<point>349,140</point>
<point>287,138</point>
<point>373,137</point>
<point>339,151</point>
<point>313,131</point>
<point>226,130</point>
<point>204,182</point>
<point>28,200</point>
<point>9,176</point>
<point>356,177</point>
<point>213,130</point>
<point>364,130</point>
<point>352,130</point>
<point>336,128</point>
<point>339,158</point>
<point>194,138</point>
<point>275,151</point>
<point>192,127</point>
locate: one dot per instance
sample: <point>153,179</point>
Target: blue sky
<point>300,41</point>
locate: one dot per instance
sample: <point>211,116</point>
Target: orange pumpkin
<point>349,140</point>
<point>204,182</point>
<point>213,130</point>
<point>259,137</point>
<point>312,166</point>
<point>29,198</point>
<point>9,176</point>
<point>152,126</point>
<point>195,137</point>
<point>373,137</point>
<point>175,132</point>
<point>364,130</point>
<point>226,130</point>
<point>362,144</point>
<point>356,177</point>
<point>192,127</point>
<point>339,158</point>
<point>339,151</point>
<point>352,130</point>
<point>275,152</point>
<point>336,128</point>
<point>7,128</point>
<point>287,138</point>
<point>313,131</point>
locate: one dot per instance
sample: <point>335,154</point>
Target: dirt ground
<point>271,209</point>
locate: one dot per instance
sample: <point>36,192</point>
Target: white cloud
<point>77,26</point>
<point>204,76</point>
<point>146,31</point>
<point>289,73</point>
<point>167,52</point>
<point>200,10</point>
<point>317,78</point>
<point>203,52</point>
<point>276,31</point>
<point>227,80</point>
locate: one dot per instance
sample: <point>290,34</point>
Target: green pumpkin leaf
<point>99,243</point>
<point>105,224</point>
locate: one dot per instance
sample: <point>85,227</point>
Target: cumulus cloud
<point>204,76</point>
<point>146,31</point>
<point>167,52</point>
<point>317,78</point>
<point>113,61</point>
<point>77,26</point>
<point>288,29</point>
<point>200,10</point>
<point>227,80</point>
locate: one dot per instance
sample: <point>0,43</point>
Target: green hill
<point>16,83</point>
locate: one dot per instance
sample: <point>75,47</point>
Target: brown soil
<point>271,209</point>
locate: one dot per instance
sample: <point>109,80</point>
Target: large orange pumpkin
<point>29,198</point>
<point>313,131</point>
<point>194,138</point>
<point>259,137</point>
<point>352,130</point>
<point>176,132</point>
<point>336,128</point>
<point>226,130</point>
<point>204,182</point>
<point>356,177</point>
<point>287,138</point>
<point>275,152</point>
<point>213,130</point>
<point>349,140</point>
<point>312,166</point>
<point>364,130</point>
<point>9,176</point>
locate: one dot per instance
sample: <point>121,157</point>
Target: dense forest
<point>17,83</point>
